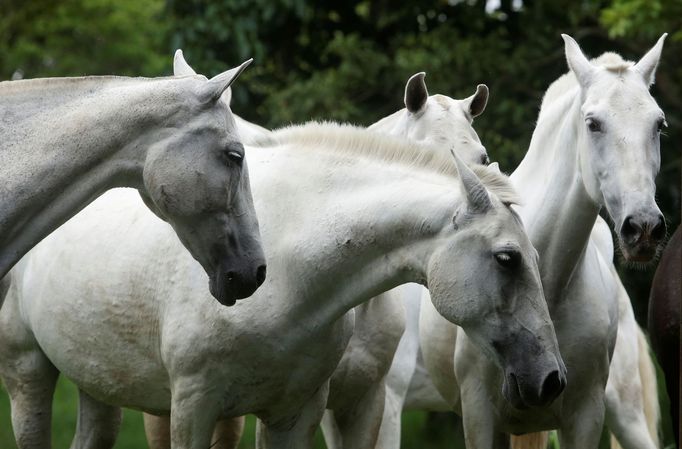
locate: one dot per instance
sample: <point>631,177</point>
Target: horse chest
<point>258,368</point>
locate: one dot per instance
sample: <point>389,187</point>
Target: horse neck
<point>558,213</point>
<point>64,144</point>
<point>355,229</point>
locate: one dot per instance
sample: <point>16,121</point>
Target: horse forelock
<point>353,140</point>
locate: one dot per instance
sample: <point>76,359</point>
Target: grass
<point>420,430</point>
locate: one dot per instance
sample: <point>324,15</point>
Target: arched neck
<point>359,228</point>
<point>58,154</point>
<point>557,211</point>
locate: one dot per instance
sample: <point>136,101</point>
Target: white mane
<point>613,62</point>
<point>354,140</point>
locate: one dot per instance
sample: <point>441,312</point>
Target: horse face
<point>439,121</point>
<point>197,180</point>
<point>485,278</point>
<point>620,162</point>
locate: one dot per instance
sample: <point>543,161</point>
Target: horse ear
<point>577,62</point>
<point>180,66</point>
<point>220,83</point>
<point>647,65</point>
<point>477,102</point>
<point>495,166</point>
<point>416,93</point>
<point>477,195</point>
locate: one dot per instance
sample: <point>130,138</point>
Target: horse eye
<point>508,259</point>
<point>234,155</point>
<point>593,125</point>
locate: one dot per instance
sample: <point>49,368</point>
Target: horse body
<point>561,196</point>
<point>271,356</point>
<point>64,141</point>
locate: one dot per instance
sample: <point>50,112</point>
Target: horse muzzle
<point>227,286</point>
<point>641,236</point>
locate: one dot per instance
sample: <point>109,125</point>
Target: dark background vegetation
<point>349,60</point>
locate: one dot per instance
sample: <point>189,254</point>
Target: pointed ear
<point>218,84</point>
<point>416,93</point>
<point>476,103</point>
<point>647,65</point>
<point>180,66</point>
<point>577,62</point>
<point>494,166</point>
<point>477,195</point>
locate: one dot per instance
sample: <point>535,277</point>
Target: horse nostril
<point>552,386</point>
<point>260,275</point>
<point>630,228</point>
<point>658,231</point>
<point>229,276</point>
<point>484,159</point>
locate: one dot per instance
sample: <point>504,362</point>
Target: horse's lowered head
<point>196,178</point>
<point>485,278</point>
<point>621,159</point>
<point>438,120</point>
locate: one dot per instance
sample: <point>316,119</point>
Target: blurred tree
<point>78,37</point>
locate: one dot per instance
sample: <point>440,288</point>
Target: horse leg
<point>391,421</point>
<point>478,418</point>
<point>98,424</point>
<point>31,385</point>
<point>297,431</point>
<point>157,431</point>
<point>359,424</point>
<point>582,425</point>
<point>226,434</point>
<point>631,385</point>
<point>29,377</point>
<point>194,413</point>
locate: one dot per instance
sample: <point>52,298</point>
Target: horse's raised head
<point>439,120</point>
<point>485,278</point>
<point>196,178</point>
<point>622,126</point>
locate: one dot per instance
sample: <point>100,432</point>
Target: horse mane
<point>353,140</point>
<point>612,62</point>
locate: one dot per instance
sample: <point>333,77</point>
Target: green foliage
<point>644,18</point>
<point>77,37</point>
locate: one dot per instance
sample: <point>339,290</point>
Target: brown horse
<point>664,321</point>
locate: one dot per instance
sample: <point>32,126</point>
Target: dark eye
<point>235,154</point>
<point>661,124</point>
<point>508,259</point>
<point>593,125</point>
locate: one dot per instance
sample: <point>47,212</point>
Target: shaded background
<point>349,61</point>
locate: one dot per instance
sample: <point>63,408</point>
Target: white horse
<point>596,143</point>
<point>64,141</point>
<point>631,393</point>
<point>345,214</point>
<point>357,390</point>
